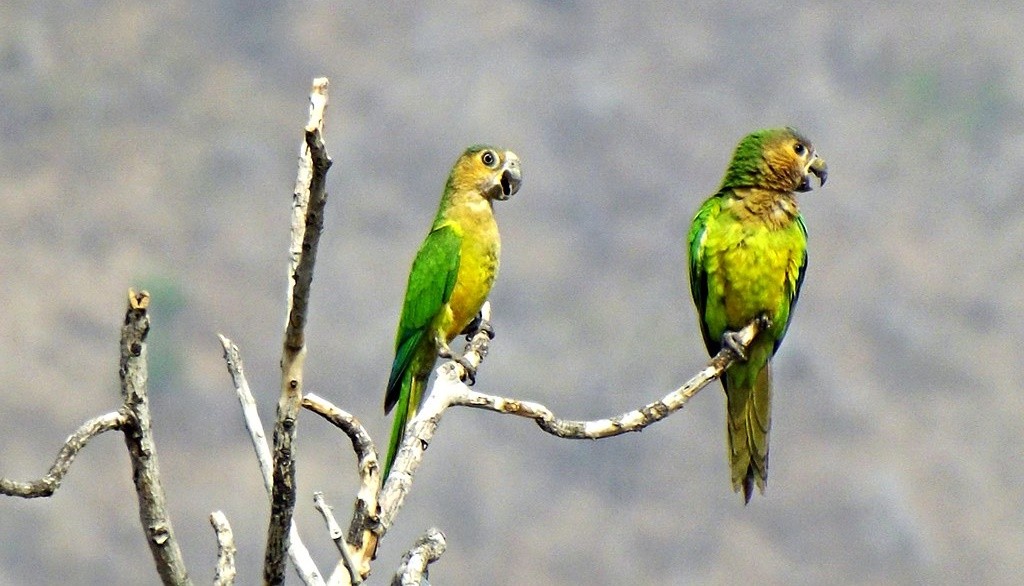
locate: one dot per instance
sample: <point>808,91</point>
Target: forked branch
<point>297,552</point>
<point>449,390</point>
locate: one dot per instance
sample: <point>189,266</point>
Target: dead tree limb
<point>138,436</point>
<point>631,421</point>
<point>133,419</point>
<point>297,552</point>
<point>225,574</point>
<point>361,536</point>
<point>338,537</point>
<point>308,203</point>
<point>47,485</point>
<point>448,390</point>
<point>413,569</point>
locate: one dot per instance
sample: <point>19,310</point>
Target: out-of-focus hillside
<point>154,145</point>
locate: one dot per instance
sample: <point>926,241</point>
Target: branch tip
<point>138,301</point>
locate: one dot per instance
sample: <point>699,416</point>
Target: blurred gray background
<point>154,145</point>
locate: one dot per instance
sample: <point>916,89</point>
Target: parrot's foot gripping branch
<point>479,324</point>
<point>734,340</point>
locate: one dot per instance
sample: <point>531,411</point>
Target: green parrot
<point>450,278</point>
<point>748,256</point>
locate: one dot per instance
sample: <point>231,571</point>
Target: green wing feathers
<point>698,269</point>
<point>431,282</point>
<point>794,279</point>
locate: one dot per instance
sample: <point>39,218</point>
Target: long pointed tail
<point>748,423</point>
<point>405,410</point>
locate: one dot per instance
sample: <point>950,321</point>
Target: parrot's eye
<point>489,158</point>
<point>799,149</point>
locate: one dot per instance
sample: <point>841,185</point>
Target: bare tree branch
<point>250,413</point>
<point>338,536</point>
<point>225,574</point>
<point>309,200</point>
<point>138,436</point>
<point>49,484</point>
<point>421,429</point>
<point>365,519</point>
<point>630,421</point>
<point>449,390</point>
<point>297,552</point>
<point>413,569</point>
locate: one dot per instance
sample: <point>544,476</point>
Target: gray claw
<point>733,342</point>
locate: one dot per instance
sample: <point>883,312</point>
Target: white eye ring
<point>489,158</point>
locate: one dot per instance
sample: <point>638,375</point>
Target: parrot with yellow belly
<point>747,259</point>
<point>450,279</point>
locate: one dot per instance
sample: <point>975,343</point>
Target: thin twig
<point>138,436</point>
<point>309,200</point>
<point>251,415</point>
<point>414,567</point>
<point>338,536</point>
<point>225,574</point>
<point>297,552</point>
<point>49,484</point>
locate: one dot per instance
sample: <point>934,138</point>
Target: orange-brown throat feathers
<point>775,209</point>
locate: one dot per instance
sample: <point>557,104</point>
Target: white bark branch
<point>449,390</point>
<point>308,204</point>
<point>225,574</point>
<point>338,537</point>
<point>414,567</point>
<point>297,552</point>
<point>631,421</point>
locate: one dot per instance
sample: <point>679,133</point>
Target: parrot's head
<point>493,172</point>
<point>781,159</point>
<point>792,157</point>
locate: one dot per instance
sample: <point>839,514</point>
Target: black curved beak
<point>819,169</point>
